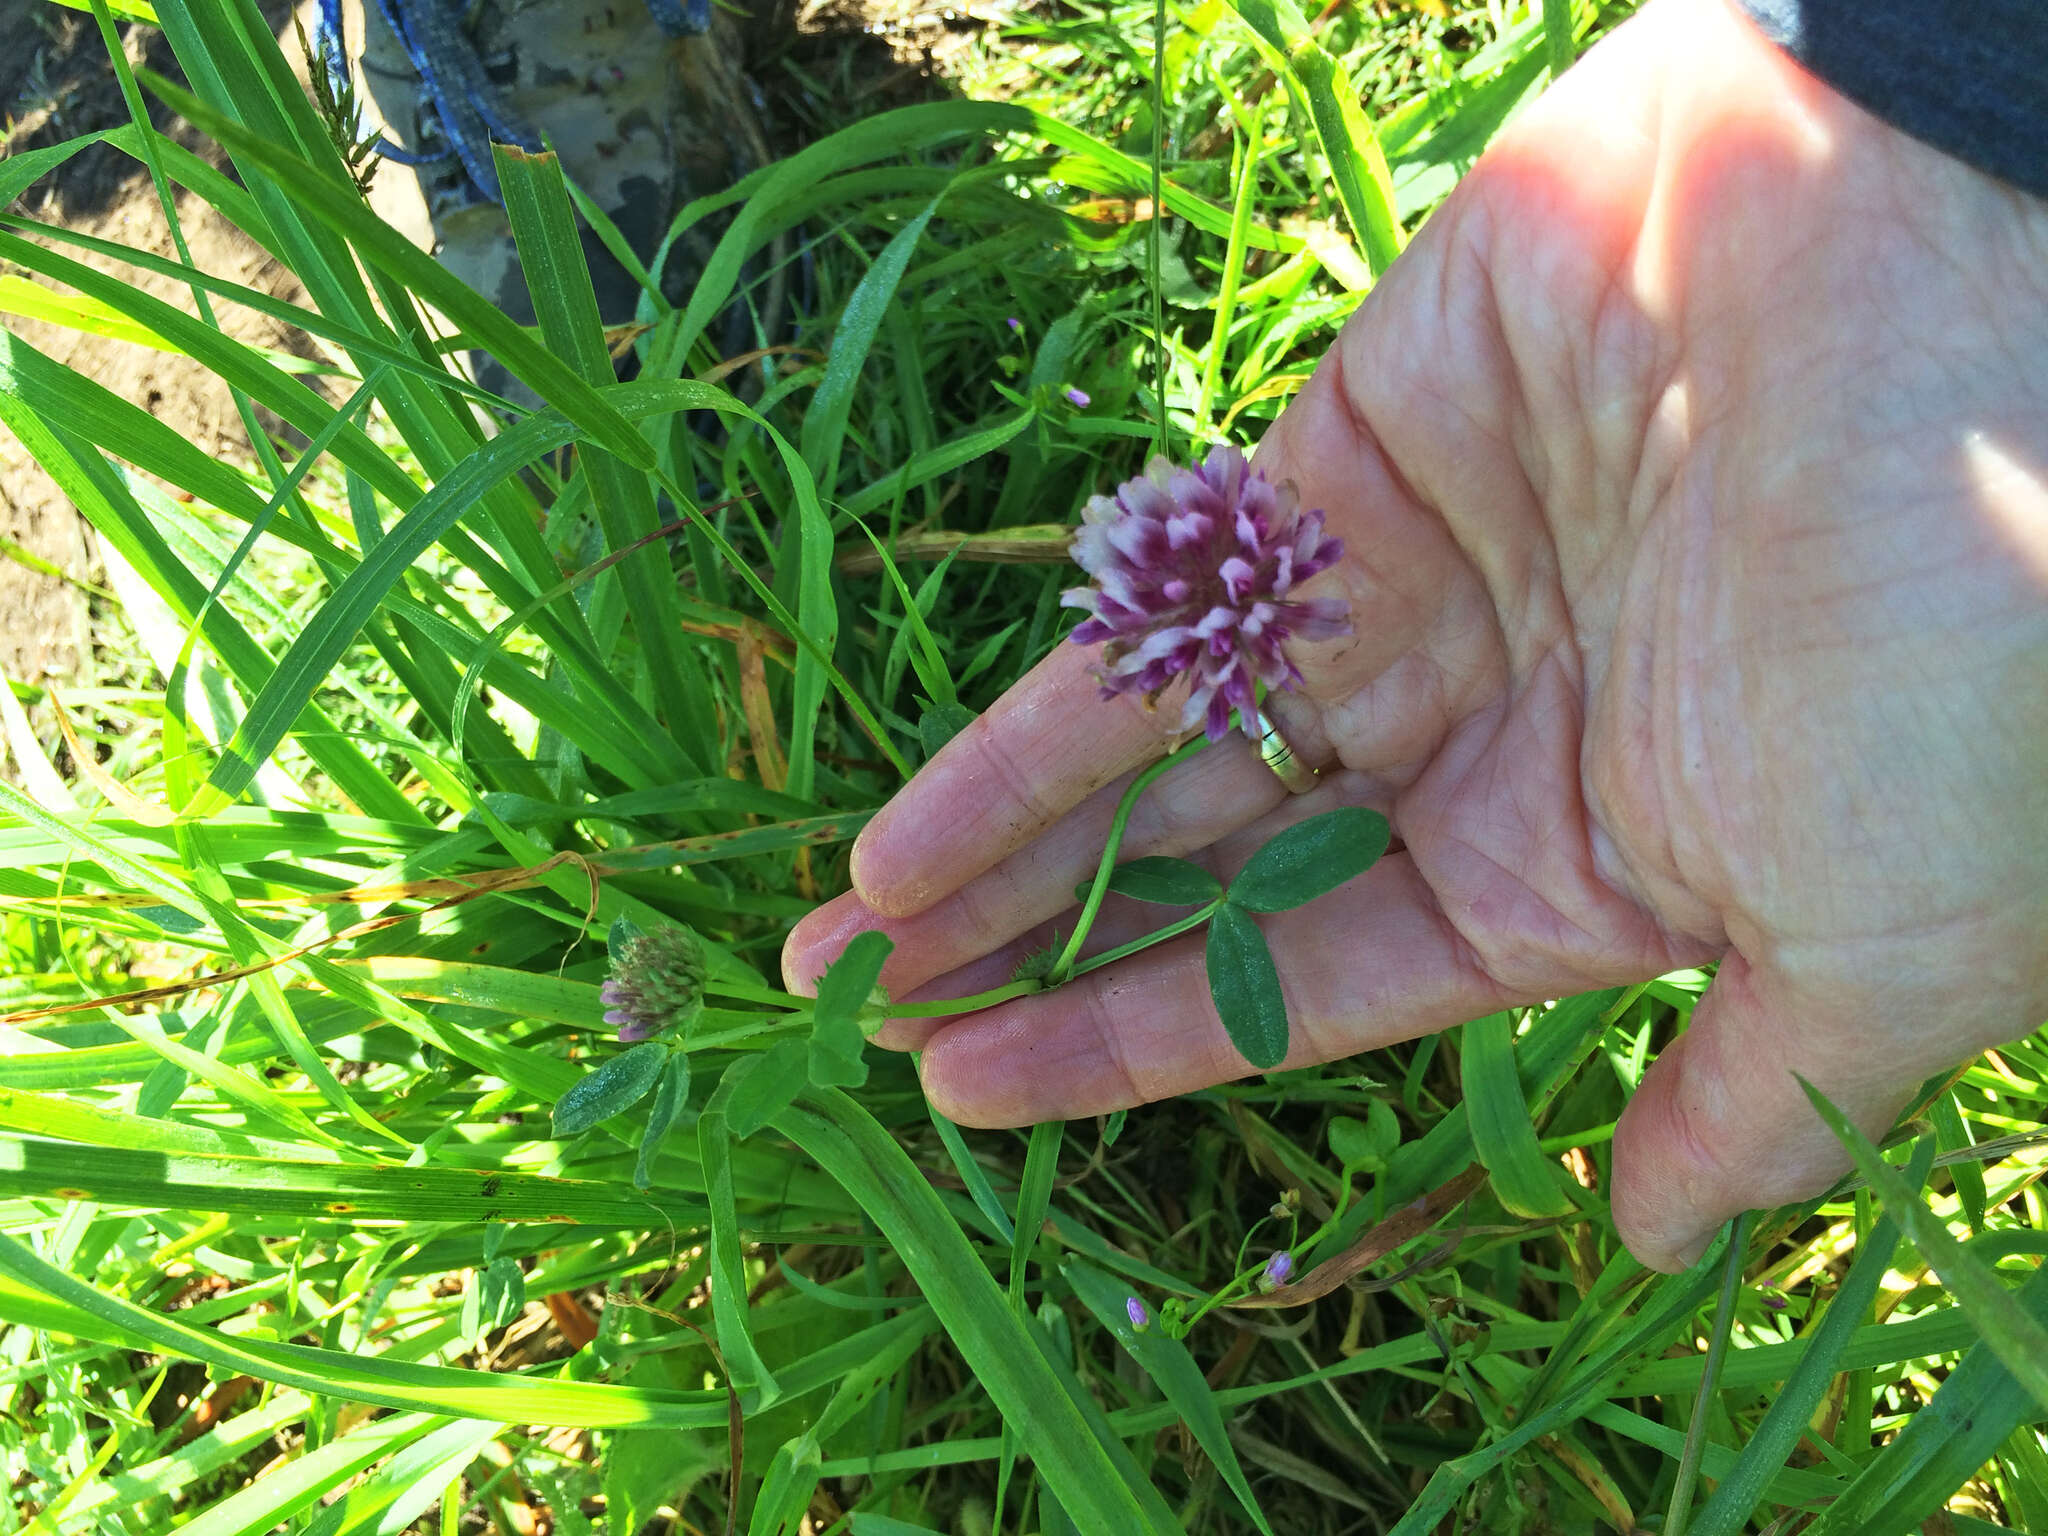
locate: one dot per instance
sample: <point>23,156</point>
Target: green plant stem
<point>946,1007</point>
<point>1153,234</point>
<point>1172,930</point>
<point>1233,263</point>
<point>943,1007</point>
<point>1710,1381</point>
<point>1064,966</point>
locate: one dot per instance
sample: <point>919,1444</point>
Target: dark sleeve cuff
<point>1968,76</point>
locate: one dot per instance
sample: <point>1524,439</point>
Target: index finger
<point>1039,751</point>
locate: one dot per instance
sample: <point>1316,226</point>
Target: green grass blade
<point>1557,35</point>
<point>1679,1515</point>
<point>1771,1444</point>
<point>168,1476</point>
<point>1062,1431</point>
<point>557,277</point>
<point>100,491</point>
<point>19,172</point>
<point>2011,1332</point>
<point>824,428</point>
<point>974,1177</point>
<point>1942,1445</point>
<point>1954,1136</point>
<point>312,656</point>
<point>1546,1053</point>
<point>51,1299</point>
<point>60,1119</point>
<point>1167,1361</point>
<point>391,1498</point>
<point>1525,1180</point>
<point>1673,1300</point>
<point>1034,1195</point>
<point>133,1178</point>
<point>293,1488</point>
<point>803,184</point>
<point>1364,185</point>
<point>937,462</point>
<point>727,1276</point>
<point>335,205</point>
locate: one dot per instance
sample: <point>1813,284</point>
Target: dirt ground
<point>55,83</point>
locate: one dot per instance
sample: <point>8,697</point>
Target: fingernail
<point>1693,1251</point>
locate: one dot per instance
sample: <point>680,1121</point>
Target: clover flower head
<point>656,983</point>
<point>1278,1271</point>
<point>1134,1309</point>
<point>1193,571</point>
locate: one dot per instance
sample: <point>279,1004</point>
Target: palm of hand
<point>1694,479</point>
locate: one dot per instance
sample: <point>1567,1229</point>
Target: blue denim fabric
<point>1967,76</point>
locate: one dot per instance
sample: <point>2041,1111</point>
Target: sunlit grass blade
<point>390,1498</point>
<point>1771,1444</point>
<point>2011,1332</point>
<point>1357,165</point>
<point>1557,35</point>
<point>131,1178</point>
<point>308,1480</point>
<point>45,1297</point>
<point>99,490</point>
<point>1943,1444</point>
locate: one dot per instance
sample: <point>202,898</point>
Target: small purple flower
<point>1134,1309</point>
<point>1192,569</point>
<point>1076,397</point>
<point>656,983</point>
<point>1015,324</point>
<point>1278,1271</point>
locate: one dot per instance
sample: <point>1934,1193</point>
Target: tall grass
<point>288,1237</point>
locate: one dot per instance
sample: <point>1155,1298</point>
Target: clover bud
<point>656,983</point>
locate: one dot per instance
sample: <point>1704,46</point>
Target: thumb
<point>1720,1124</point>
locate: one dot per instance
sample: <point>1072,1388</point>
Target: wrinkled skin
<point>1692,466</point>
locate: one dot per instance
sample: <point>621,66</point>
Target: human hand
<point>1692,467</point>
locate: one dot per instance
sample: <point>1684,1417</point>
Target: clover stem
<point>1172,930</point>
<point>1064,966</point>
<point>942,1007</point>
<point>945,1007</point>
